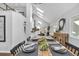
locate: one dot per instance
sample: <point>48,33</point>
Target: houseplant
<point>42,43</point>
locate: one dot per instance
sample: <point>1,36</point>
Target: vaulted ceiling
<point>54,10</point>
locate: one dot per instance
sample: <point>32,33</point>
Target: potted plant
<point>43,44</point>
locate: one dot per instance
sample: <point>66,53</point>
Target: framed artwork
<point>2,28</point>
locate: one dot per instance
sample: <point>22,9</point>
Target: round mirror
<point>61,24</point>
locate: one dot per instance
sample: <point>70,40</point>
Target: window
<point>75,26</point>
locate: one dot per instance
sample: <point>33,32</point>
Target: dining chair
<point>15,50</point>
<point>61,37</point>
<point>72,48</point>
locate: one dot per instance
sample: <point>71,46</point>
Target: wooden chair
<point>14,51</point>
<point>72,48</point>
<point>61,37</point>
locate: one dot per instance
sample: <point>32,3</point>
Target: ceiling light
<point>40,10</point>
<point>76,22</point>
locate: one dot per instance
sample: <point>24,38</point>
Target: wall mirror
<point>61,24</point>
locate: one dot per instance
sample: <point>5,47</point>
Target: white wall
<point>5,46</point>
<point>18,34</point>
<point>68,16</point>
<point>14,30</point>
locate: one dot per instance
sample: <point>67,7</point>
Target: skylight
<point>40,10</point>
<point>40,16</point>
<point>76,22</point>
<point>39,13</point>
<point>39,22</point>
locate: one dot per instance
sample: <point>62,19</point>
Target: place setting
<point>29,50</point>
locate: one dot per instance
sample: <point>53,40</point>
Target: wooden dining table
<point>49,52</point>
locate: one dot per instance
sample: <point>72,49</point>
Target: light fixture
<point>40,10</point>
<point>76,22</point>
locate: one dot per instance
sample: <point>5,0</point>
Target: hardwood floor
<point>4,53</point>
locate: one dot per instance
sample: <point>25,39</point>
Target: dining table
<point>51,42</point>
<point>36,38</point>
